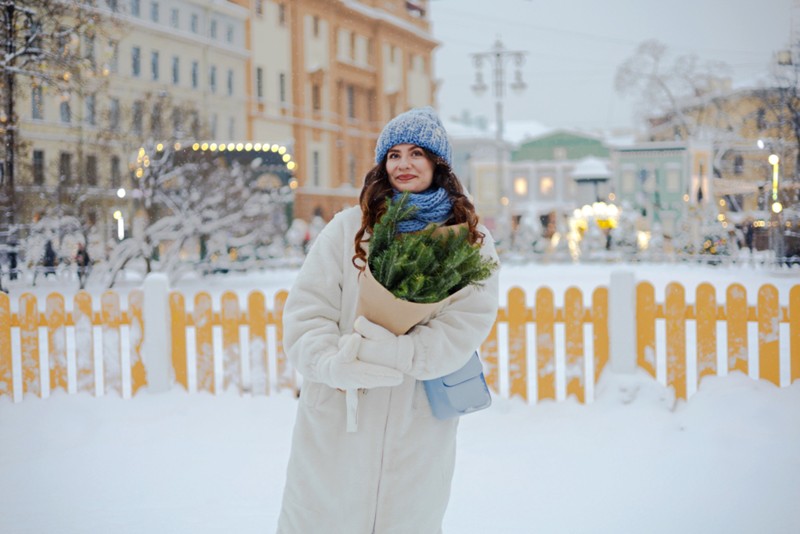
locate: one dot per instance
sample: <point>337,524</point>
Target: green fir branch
<point>420,266</point>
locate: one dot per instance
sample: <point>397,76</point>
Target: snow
<point>633,460</point>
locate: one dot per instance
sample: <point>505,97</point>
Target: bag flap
<point>470,370</point>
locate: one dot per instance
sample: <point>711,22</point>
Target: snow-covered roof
<point>459,130</point>
<point>591,167</point>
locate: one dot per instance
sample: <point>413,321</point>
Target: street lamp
<point>496,58</point>
<point>774,160</point>
<point>777,207</point>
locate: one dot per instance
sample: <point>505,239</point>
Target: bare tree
<point>664,86</point>
<point>183,193</point>
<point>41,42</point>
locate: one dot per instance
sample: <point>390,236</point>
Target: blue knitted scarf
<point>433,206</point>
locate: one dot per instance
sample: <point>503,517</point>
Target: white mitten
<point>344,371</point>
<point>381,347</point>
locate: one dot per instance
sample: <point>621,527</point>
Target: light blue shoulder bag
<point>461,392</point>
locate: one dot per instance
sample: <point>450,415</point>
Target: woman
<point>393,474</point>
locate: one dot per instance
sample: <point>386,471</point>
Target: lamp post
<point>497,58</point>
<point>777,228</point>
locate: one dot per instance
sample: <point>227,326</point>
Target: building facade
<point>743,127</point>
<point>660,180</point>
<point>355,65</point>
<point>314,80</point>
<point>166,70</point>
<point>542,173</point>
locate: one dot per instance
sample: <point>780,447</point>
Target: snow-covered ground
<point>632,461</point>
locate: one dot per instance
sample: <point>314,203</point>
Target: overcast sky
<point>575,46</point>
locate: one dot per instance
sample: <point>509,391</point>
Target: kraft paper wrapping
<point>377,303</point>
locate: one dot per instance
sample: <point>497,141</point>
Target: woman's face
<point>409,168</point>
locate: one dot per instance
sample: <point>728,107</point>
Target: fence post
<point>157,343</point>
<point>622,321</point>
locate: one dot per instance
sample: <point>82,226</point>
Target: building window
<point>315,26</point>
<point>282,88</point>
<point>230,82</point>
<point>136,61</point>
<point>195,74</point>
<point>37,102</point>
<point>259,7</point>
<point>154,65</point>
<point>113,114</point>
<point>673,177</point>
<point>232,128</point>
<point>113,62</point>
<point>738,164</point>
<point>90,115</point>
<point>521,186</point>
<point>116,176</point>
<point>195,124</point>
<point>176,70</point>
<point>213,29</point>
<point>177,122</point>
<point>135,8</point>
<point>154,11</point>
<point>66,112</point>
<point>281,14</point>
<point>195,23</point>
<point>351,168</point>
<point>175,18</point>
<point>316,98</point>
<point>761,119</point>
<point>155,119</point>
<point>91,170</point>
<point>371,105</point>
<point>113,5</point>
<point>259,83</point>
<point>212,79</point>
<point>38,167</point>
<point>65,167</point>
<point>546,186</point>
<point>315,168</point>
<point>214,125</point>
<point>88,49</point>
<point>628,181</point>
<point>137,117</point>
<point>351,102</point>
<point>229,33</point>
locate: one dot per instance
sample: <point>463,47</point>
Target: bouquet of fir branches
<point>409,275</point>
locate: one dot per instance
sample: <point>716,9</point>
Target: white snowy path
<point>727,461</point>
<point>173,463</point>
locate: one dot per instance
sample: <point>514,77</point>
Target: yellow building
<point>318,77</point>
<point>745,127</point>
<point>159,70</point>
<point>349,67</point>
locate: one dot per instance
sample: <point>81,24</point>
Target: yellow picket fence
<point>56,320</point>
<point>203,324</point>
<point>768,314</point>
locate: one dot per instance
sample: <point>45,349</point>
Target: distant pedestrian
<point>83,262</point>
<point>49,260</point>
<point>12,261</point>
<point>748,236</point>
<point>48,263</point>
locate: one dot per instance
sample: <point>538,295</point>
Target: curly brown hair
<point>377,188</point>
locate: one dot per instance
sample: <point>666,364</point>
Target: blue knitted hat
<point>419,126</point>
